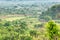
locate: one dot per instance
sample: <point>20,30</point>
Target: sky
<point>41,0</point>
<point>51,0</point>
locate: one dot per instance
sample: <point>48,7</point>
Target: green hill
<point>52,13</point>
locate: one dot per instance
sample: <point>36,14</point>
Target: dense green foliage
<point>16,30</point>
<point>21,30</point>
<point>22,23</point>
<point>52,30</point>
<point>52,13</point>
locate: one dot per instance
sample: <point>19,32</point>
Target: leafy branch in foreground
<point>52,30</point>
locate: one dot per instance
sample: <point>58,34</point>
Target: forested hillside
<point>29,8</point>
<point>29,20</point>
<point>51,13</point>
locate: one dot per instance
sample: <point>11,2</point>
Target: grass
<point>30,21</point>
<point>13,18</point>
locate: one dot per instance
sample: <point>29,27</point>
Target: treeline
<point>24,9</point>
<point>16,30</point>
<point>19,30</point>
<point>51,13</point>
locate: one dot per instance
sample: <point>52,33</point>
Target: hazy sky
<point>40,0</point>
<point>51,0</point>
